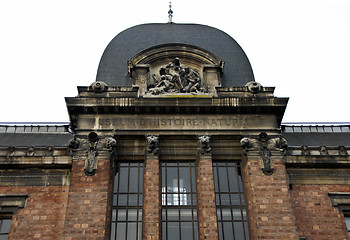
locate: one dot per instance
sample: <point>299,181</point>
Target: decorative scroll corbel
<point>204,144</point>
<point>264,145</point>
<point>92,145</point>
<point>152,144</point>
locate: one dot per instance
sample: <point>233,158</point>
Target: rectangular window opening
<point>179,201</point>
<point>230,201</point>
<point>126,221</point>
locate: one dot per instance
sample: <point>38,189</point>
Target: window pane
<point>223,180</point>
<point>123,180</point>
<point>172,180</point>
<point>121,230</point>
<point>232,177</point>
<point>173,214</point>
<point>132,215</point>
<point>186,230</point>
<point>226,214</point>
<point>132,228</point>
<point>122,215</point>
<point>133,185</point>
<point>186,214</point>
<point>184,180</point>
<point>228,231</point>
<point>113,231</point>
<point>238,226</point>
<point>173,231</point>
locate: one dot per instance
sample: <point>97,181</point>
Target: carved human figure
<point>175,78</point>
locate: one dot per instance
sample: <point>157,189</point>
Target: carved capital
<point>204,144</point>
<point>92,145</point>
<point>152,144</point>
<point>264,144</point>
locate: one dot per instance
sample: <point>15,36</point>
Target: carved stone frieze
<point>264,144</point>
<point>204,144</point>
<point>152,144</point>
<point>175,78</point>
<point>91,146</point>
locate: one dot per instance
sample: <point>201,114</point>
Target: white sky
<point>301,47</point>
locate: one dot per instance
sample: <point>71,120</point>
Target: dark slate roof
<point>317,135</point>
<point>34,135</point>
<point>34,139</point>
<point>317,139</point>
<point>113,65</point>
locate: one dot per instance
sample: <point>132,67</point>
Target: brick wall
<point>206,199</point>
<point>316,218</point>
<point>89,200</point>
<point>269,203</point>
<point>44,213</point>
<point>151,199</point>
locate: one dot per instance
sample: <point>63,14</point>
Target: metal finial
<point>170,14</point>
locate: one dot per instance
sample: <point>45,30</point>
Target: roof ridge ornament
<point>170,14</point>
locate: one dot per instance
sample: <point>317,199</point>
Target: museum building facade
<point>174,140</point>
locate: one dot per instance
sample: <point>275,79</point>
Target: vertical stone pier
<point>151,192</point>
<point>208,227</point>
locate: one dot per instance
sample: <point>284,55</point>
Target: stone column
<point>270,211</point>
<point>151,228</point>
<point>208,227</point>
<point>89,197</point>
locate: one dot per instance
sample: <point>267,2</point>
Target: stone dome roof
<point>113,68</point>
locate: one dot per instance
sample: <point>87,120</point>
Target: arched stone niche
<point>144,68</point>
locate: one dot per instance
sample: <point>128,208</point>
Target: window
<point>5,224</point>
<point>347,220</point>
<point>126,221</point>
<point>179,202</point>
<point>230,202</point>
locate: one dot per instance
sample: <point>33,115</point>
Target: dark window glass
<point>126,221</point>
<point>230,202</point>
<point>5,224</point>
<point>179,202</point>
<point>347,220</point>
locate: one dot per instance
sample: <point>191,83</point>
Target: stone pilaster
<point>205,191</point>
<point>89,200</point>
<point>270,211</point>
<point>151,228</point>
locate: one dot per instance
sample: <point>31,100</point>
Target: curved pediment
<point>176,69</point>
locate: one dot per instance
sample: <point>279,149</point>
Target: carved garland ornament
<point>175,78</point>
<point>264,145</point>
<point>92,145</point>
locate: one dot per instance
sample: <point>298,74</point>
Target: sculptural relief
<point>264,145</point>
<point>91,146</point>
<point>175,78</point>
<point>152,144</point>
<point>204,144</point>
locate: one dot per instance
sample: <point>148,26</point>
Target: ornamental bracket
<point>264,145</point>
